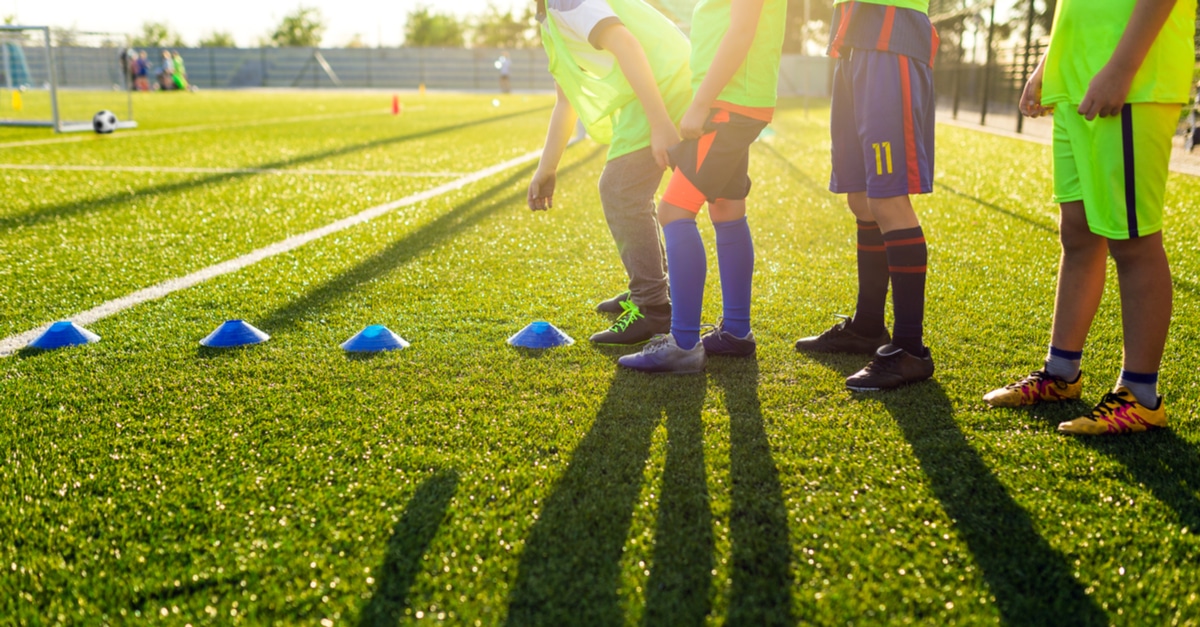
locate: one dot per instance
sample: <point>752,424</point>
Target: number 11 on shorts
<point>883,152</point>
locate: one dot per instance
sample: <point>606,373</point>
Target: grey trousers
<point>627,189</point>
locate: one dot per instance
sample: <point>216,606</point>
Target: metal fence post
<point>987,70</point>
<point>1025,71</point>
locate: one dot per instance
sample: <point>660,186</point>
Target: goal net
<point>60,80</point>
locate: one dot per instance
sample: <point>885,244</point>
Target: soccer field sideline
<point>10,345</point>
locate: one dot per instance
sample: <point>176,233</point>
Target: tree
<point>502,29</point>
<point>158,35</point>
<point>303,28</point>
<point>426,29</point>
<point>356,41</point>
<point>218,39</point>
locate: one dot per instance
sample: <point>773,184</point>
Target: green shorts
<point>1116,165</point>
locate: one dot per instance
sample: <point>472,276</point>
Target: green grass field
<point>145,479</point>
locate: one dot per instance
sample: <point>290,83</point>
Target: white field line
<point>172,170</point>
<point>12,344</point>
<point>81,137</point>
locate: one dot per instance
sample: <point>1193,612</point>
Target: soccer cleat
<point>635,326</point>
<point>662,354</point>
<point>613,305</point>
<point>718,341</point>
<point>1039,387</point>
<point>891,368</point>
<point>840,339</point>
<point>1118,412</point>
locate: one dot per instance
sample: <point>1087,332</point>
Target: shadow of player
<point>570,570</point>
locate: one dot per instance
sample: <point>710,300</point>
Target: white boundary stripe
<point>169,170</point>
<point>12,344</point>
<point>195,128</point>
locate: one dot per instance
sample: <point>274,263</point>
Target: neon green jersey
<point>916,5</point>
<point>757,80</point>
<point>1085,35</point>
<point>607,104</point>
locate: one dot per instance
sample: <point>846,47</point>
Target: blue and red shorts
<point>882,124</point>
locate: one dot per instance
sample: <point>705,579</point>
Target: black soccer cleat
<point>718,341</point>
<point>613,305</point>
<point>840,339</point>
<point>891,368</point>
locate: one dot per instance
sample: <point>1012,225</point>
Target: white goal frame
<point>56,122</point>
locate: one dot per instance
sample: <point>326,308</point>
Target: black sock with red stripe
<point>907,256</point>
<point>872,281</point>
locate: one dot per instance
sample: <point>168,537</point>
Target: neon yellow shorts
<point>1116,165</point>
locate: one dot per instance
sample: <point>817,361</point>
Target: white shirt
<point>580,21</point>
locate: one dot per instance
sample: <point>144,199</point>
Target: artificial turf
<point>147,479</point>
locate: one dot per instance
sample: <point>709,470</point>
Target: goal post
<point>62,84</point>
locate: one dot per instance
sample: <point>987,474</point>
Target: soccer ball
<point>104,122</point>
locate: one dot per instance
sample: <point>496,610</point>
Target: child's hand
<point>692,124</point>
<point>1106,93</point>
<point>1031,98</point>
<point>541,191</point>
<point>663,138</point>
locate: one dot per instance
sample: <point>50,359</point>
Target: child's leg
<point>1080,289</point>
<point>735,258</point>
<point>873,277</point>
<point>907,257</point>
<point>1145,280</point>
<point>687,266</point>
<point>627,188</point>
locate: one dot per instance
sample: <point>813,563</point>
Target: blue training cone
<point>234,333</point>
<point>540,334</point>
<point>374,339</point>
<point>63,334</point>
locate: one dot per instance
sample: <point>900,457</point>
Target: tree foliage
<point>495,28</point>
<point>158,35</point>
<point>427,29</point>
<point>218,39</point>
<point>302,28</point>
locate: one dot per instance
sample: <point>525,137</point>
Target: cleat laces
<point>630,315</point>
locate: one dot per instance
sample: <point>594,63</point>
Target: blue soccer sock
<point>1143,385</point>
<point>1063,364</point>
<point>687,267</point>
<point>735,259</point>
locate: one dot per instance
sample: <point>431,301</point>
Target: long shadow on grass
<point>762,552</point>
<point>1037,224</point>
<point>71,209</point>
<point>1161,460</point>
<point>462,217</point>
<point>1032,582</point>
<point>570,570</point>
<point>410,540</point>
<point>797,173</point>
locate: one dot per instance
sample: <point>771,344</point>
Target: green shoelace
<point>630,315</point>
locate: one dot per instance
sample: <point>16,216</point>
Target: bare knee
<point>1075,235</point>
<point>860,206</point>
<point>1136,251</point>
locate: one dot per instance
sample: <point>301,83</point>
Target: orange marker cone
<point>421,89</point>
<point>395,105</point>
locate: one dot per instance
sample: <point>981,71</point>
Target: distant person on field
<point>1115,76</point>
<point>737,47</point>
<point>166,72</point>
<point>624,71</point>
<point>180,74</point>
<point>143,71</point>
<point>129,66</point>
<point>504,64</point>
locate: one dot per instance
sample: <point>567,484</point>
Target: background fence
<point>384,68</point>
